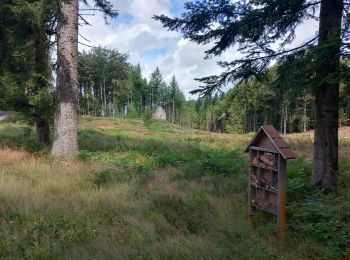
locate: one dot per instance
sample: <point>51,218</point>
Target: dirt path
<point>3,115</point>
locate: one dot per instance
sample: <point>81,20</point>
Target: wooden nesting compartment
<point>263,180</point>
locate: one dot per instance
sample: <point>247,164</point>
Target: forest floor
<point>158,192</point>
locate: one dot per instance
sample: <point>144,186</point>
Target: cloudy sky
<point>151,45</point>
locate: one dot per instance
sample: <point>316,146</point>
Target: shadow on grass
<point>17,136</point>
<point>194,158</point>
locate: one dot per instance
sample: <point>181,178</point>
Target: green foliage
<point>254,28</point>
<point>320,214</point>
<point>104,81</point>
<point>26,77</point>
<point>148,117</point>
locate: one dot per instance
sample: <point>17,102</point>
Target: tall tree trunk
<point>305,118</point>
<point>281,119</point>
<point>285,119</point>
<point>101,99</point>
<point>325,164</point>
<point>86,96</point>
<point>41,68</point>
<point>43,131</point>
<point>105,94</point>
<point>255,121</point>
<point>65,142</point>
<point>173,112</point>
<point>245,120</point>
<point>141,106</point>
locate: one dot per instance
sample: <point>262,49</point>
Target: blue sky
<point>148,43</point>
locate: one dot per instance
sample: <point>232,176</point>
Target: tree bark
<point>173,112</point>
<point>43,131</point>
<point>65,142</point>
<point>285,119</point>
<point>41,68</point>
<point>101,99</point>
<point>325,164</point>
<point>305,118</point>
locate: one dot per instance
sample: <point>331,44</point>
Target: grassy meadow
<point>158,192</point>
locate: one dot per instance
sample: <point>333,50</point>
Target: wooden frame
<point>267,176</point>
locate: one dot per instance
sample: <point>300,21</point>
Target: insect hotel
<point>268,155</point>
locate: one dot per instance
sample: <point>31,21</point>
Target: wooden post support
<point>281,215</point>
<point>250,208</point>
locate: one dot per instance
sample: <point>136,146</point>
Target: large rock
<point>159,114</point>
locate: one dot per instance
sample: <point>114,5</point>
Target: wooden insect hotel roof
<point>268,137</point>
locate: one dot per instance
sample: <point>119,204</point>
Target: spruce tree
<point>65,140</point>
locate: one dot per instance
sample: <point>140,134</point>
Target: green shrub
<point>313,211</point>
<point>148,117</point>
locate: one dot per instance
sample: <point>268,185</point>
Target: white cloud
<point>182,42</point>
<point>182,58</point>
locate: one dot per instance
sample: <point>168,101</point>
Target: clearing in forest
<point>155,192</point>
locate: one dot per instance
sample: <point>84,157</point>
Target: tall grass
<point>154,192</point>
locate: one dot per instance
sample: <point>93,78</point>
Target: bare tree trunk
<point>325,164</point>
<point>141,106</point>
<point>105,94</point>
<point>78,100</point>
<point>86,94</point>
<point>285,119</point>
<point>43,131</point>
<point>113,104</point>
<point>101,100</point>
<point>245,120</point>
<point>65,142</point>
<point>173,112</point>
<point>255,121</point>
<point>41,68</point>
<point>305,118</point>
<point>281,119</point>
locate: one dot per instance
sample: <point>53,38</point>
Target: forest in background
<point>109,85</point>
